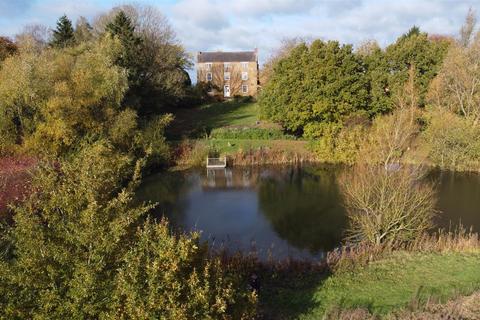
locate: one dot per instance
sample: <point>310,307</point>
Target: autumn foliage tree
<point>457,87</point>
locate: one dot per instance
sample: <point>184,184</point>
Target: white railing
<point>213,163</point>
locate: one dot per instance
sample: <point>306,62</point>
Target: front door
<point>226,91</point>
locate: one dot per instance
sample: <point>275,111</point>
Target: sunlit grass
<point>399,282</point>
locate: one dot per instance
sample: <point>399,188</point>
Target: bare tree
<point>368,47</point>
<point>457,86</point>
<point>391,136</point>
<point>468,28</point>
<point>387,206</point>
<point>227,74</point>
<point>33,36</point>
<point>286,46</point>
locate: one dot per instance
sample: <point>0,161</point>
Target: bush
<point>335,143</point>
<point>249,133</point>
<point>152,142</point>
<point>387,206</point>
<point>81,248</point>
<point>453,141</point>
<point>390,136</point>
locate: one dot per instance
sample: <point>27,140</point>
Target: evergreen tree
<point>122,27</point>
<point>63,35</point>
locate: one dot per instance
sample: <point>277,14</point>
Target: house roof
<point>220,56</point>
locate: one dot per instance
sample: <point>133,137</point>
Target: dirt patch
<point>15,173</point>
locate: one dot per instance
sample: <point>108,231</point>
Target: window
<point>244,88</point>
<point>226,75</point>
<point>226,66</point>
<point>244,75</point>
<point>209,76</point>
<point>245,65</point>
<point>208,66</point>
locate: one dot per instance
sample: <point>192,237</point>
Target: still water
<point>283,211</point>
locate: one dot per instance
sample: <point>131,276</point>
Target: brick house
<point>229,73</point>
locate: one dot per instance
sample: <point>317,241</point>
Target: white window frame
<point>208,66</point>
<point>244,88</point>
<point>244,65</point>
<point>244,75</point>
<point>227,66</point>
<point>209,76</point>
<point>226,76</point>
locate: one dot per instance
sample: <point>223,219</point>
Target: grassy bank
<point>403,281</point>
<point>232,129</point>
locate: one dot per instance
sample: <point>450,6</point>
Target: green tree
<point>80,248</point>
<point>63,36</point>
<point>415,49</point>
<point>123,28</point>
<point>321,83</point>
<point>377,77</point>
<point>159,61</point>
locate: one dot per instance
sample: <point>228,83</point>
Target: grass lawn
<point>198,121</point>
<point>381,287</point>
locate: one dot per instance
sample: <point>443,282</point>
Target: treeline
<point>111,80</point>
<point>339,97</point>
<point>88,103</point>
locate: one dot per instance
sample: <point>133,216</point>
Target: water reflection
<point>289,211</point>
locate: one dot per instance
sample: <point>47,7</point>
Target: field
<point>406,281</point>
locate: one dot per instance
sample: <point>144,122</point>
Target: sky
<point>203,25</point>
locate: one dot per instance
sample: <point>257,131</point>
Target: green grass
<point>228,146</point>
<point>380,287</point>
<point>198,121</point>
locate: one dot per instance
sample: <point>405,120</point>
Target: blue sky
<point>203,25</point>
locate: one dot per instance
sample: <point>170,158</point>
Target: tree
<point>56,97</point>
<point>123,28</point>
<point>323,82</point>
<point>286,46</point>
<point>81,248</point>
<point>7,48</point>
<point>387,206</point>
<point>83,30</point>
<point>415,49</point>
<point>468,29</point>
<point>390,136</point>
<point>376,64</point>
<point>457,86</point>
<point>63,36</point>
<point>161,60</point>
<point>34,37</point>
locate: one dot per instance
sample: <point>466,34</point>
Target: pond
<point>283,211</point>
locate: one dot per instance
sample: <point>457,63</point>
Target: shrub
<point>81,248</point>
<point>453,141</point>
<point>335,143</point>
<point>387,206</point>
<point>249,133</point>
<point>390,136</point>
<point>151,141</point>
